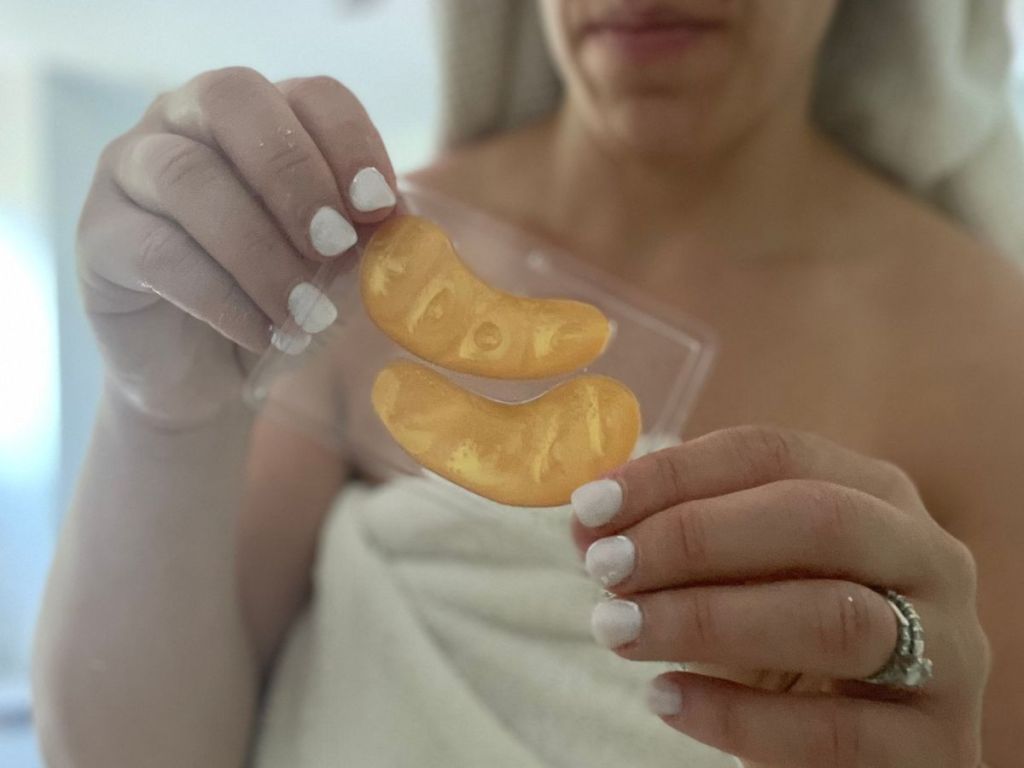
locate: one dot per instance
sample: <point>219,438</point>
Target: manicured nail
<point>290,343</point>
<point>311,309</point>
<point>664,697</point>
<point>610,560</point>
<point>331,233</point>
<point>616,622</point>
<point>369,191</point>
<point>596,503</point>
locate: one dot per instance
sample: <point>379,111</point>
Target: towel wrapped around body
<point>447,630</point>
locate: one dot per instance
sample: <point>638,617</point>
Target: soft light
<point>29,372</point>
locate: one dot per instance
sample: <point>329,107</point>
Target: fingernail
<point>290,343</point>
<point>331,233</point>
<point>616,622</point>
<point>610,560</point>
<point>369,191</point>
<point>596,503</point>
<point>664,697</point>
<point>311,309</point>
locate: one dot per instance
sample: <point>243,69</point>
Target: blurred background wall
<point>73,75</point>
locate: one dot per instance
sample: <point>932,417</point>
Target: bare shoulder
<point>490,174</point>
<point>457,172</point>
<point>954,309</point>
<point>953,286</point>
<point>934,270</point>
<point>923,272</point>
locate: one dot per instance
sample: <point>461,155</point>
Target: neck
<point>743,201</point>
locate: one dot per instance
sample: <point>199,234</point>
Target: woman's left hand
<point>760,552</point>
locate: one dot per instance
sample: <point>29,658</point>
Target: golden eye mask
<point>531,454</point>
<point>417,290</point>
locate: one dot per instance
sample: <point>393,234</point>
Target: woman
<point>880,338</point>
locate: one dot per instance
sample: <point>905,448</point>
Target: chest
<point>809,350</point>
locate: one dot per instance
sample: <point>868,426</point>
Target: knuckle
<point>765,452</point>
<point>157,254</point>
<point>177,165</point>
<point>227,84</point>
<point>892,473</point>
<point>831,510</point>
<point>846,622</point>
<point>320,89</point>
<point>231,303</point>
<point>287,160</point>
<point>110,153</point>
<point>234,76</point>
<point>700,619</point>
<point>896,485</point>
<point>729,724</point>
<point>964,566</point>
<point>691,532</point>
<point>839,740</point>
<point>669,472</point>
<point>158,107</point>
<point>953,567</point>
<point>256,246</point>
<point>356,123</point>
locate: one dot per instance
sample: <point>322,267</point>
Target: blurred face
<point>684,76</point>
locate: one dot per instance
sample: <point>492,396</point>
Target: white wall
<point>381,49</point>
<point>20,156</point>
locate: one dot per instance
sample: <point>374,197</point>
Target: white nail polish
<point>610,560</point>
<point>311,309</point>
<point>369,191</point>
<point>331,233</point>
<point>616,622</point>
<point>290,343</point>
<point>664,697</point>
<point>596,503</point>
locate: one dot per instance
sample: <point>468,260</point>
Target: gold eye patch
<point>528,454</point>
<point>417,291</point>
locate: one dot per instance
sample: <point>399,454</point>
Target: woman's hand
<point>206,224</point>
<point>759,552</point>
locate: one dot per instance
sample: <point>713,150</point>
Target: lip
<point>652,34</point>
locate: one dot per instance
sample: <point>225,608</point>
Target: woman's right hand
<point>208,220</point>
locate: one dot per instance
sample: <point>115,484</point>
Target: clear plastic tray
<point>660,354</point>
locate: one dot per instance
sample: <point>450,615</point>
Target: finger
<point>245,117</point>
<point>783,529</point>
<point>188,182</point>
<point>348,139</point>
<point>170,265</point>
<point>727,461</point>
<point>833,628</point>
<point>802,731</point>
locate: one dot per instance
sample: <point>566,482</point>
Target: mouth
<point>652,32</point>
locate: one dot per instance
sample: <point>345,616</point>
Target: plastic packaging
<point>660,354</point>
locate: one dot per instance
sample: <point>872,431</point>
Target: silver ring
<point>907,667</point>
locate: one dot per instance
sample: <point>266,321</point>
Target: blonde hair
<point>917,88</point>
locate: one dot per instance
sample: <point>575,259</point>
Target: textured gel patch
<point>526,454</point>
<point>417,290</point>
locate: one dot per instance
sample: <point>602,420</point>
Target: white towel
<point>451,631</point>
<point>919,88</point>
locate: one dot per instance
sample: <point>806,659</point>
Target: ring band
<point>907,667</point>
